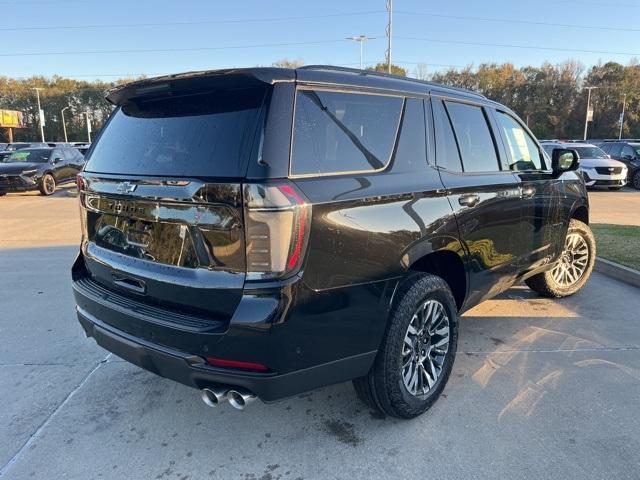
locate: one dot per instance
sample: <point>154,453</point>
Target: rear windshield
<point>205,134</point>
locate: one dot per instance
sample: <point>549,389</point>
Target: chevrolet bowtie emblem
<point>126,187</point>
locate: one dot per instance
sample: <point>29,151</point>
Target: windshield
<point>33,156</point>
<point>636,147</point>
<point>590,152</point>
<point>205,134</point>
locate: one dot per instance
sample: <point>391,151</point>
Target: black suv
<point>628,152</point>
<point>264,232</point>
<point>39,169</point>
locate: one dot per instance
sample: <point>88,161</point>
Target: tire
<point>552,283</point>
<point>47,184</point>
<point>384,388</point>
<point>635,180</point>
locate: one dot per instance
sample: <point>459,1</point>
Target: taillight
<point>277,220</point>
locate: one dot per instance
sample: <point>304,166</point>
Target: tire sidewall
<point>585,232</point>
<point>411,301</point>
<point>43,188</point>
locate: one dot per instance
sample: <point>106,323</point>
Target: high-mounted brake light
<point>277,219</point>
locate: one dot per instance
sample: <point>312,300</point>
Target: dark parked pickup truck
<point>264,232</point>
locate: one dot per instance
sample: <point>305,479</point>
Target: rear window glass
<point>205,134</point>
<point>474,138</point>
<point>343,132</point>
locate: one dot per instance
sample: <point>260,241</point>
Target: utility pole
<point>389,31</point>
<point>624,104</point>
<point>86,115</point>
<point>64,126</point>
<point>589,115</point>
<point>40,114</point>
<point>360,39</point>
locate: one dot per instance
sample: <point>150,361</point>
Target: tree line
<point>550,98</point>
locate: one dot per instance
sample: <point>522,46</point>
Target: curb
<point>617,271</point>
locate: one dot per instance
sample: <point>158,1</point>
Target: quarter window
<point>627,151</point>
<point>343,132</point>
<point>523,151</point>
<point>474,137</point>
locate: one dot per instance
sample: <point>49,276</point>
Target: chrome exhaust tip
<point>214,396</point>
<point>239,399</point>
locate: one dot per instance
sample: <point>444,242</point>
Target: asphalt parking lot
<point>540,389</point>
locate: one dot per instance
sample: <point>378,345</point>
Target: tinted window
<point>342,132</point>
<point>605,147</point>
<point>636,147</point>
<point>412,143</point>
<point>523,151</point>
<point>615,150</point>
<point>627,151</point>
<point>447,155</point>
<point>35,156</point>
<point>207,134</point>
<point>474,137</point>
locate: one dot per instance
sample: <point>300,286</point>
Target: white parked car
<point>597,168</point>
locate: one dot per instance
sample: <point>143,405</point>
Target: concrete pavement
<point>540,389</point>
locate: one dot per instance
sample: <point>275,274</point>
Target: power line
<point>525,22</point>
<point>505,45</point>
<point>198,22</point>
<point>166,50</point>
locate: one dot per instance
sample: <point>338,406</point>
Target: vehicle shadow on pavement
<point>549,386</point>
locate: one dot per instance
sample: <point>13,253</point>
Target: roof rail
<point>376,73</point>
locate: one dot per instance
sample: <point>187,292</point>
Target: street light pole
<point>389,30</point>
<point>40,113</point>
<point>360,39</point>
<point>586,118</point>
<point>624,104</point>
<point>86,114</point>
<point>64,126</point>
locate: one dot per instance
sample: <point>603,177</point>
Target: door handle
<point>468,200</point>
<point>129,283</point>
<point>527,192</point>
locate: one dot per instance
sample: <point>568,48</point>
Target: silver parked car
<point>597,168</point>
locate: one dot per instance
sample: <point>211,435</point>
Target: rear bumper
<point>191,370</point>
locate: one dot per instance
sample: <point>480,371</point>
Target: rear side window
<point>605,147</point>
<point>203,134</point>
<point>523,151</point>
<point>447,155</point>
<point>343,132</point>
<point>474,137</point>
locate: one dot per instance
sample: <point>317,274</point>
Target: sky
<point>123,38</point>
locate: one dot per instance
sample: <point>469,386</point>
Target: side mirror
<point>564,160</point>
<point>628,157</point>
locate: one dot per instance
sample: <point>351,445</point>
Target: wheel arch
<point>581,212</point>
<point>446,264</point>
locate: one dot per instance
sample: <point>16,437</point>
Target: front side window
<point>343,132</point>
<point>474,137</point>
<point>523,151</point>
<point>616,150</point>
<point>628,152</point>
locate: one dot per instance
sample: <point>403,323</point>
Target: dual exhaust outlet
<point>237,397</point>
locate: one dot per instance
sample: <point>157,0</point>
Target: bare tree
<point>286,63</point>
<point>421,71</point>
